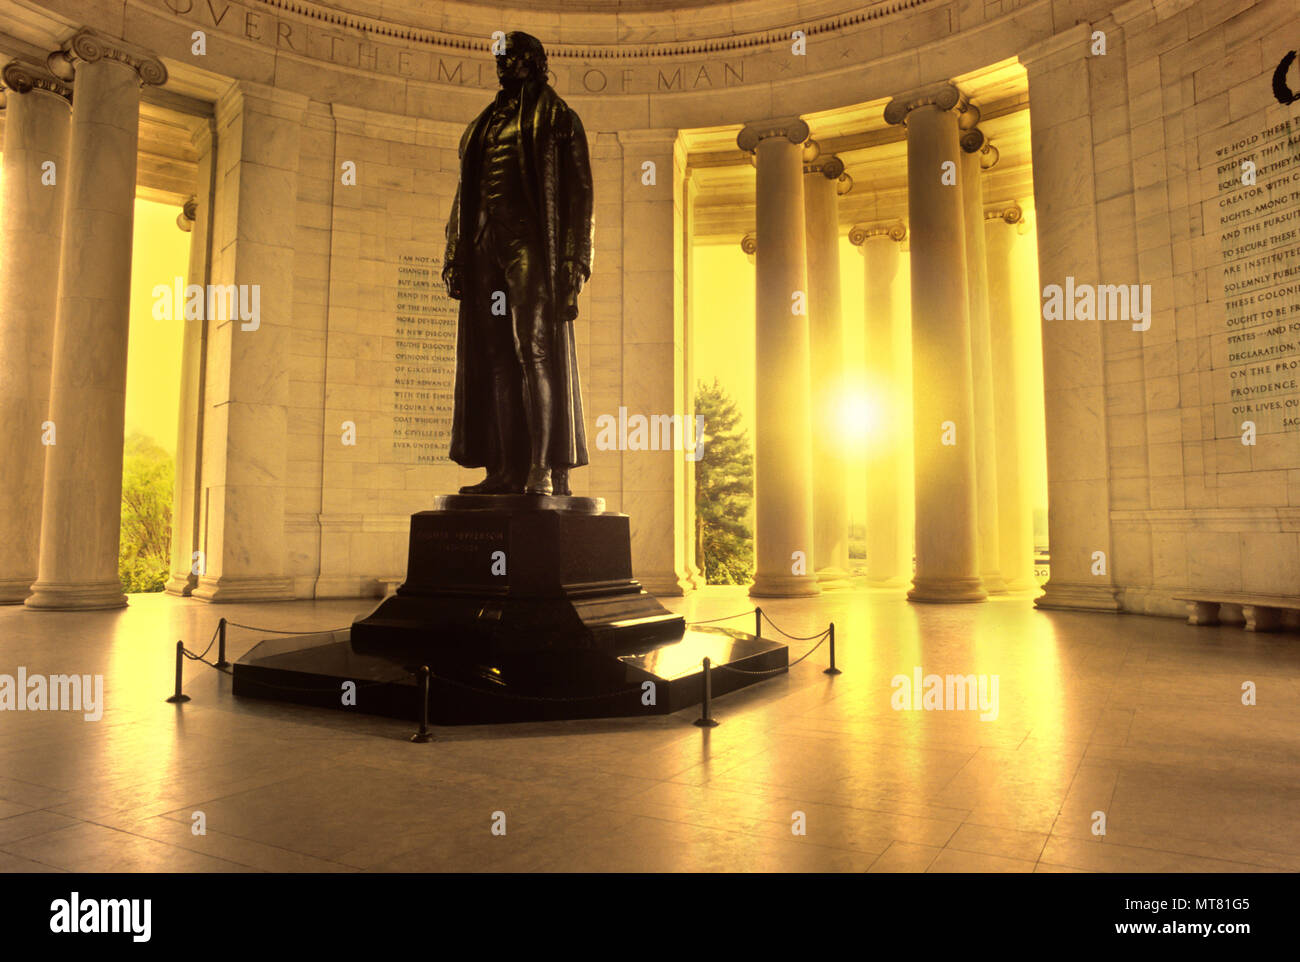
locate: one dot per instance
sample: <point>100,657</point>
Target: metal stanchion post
<point>706,720</point>
<point>423,735</point>
<point>221,644</point>
<point>832,670</point>
<point>179,696</point>
<point>758,622</point>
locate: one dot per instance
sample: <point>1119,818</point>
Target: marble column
<point>1015,515</point>
<point>1066,204</point>
<point>36,135</point>
<point>82,507</point>
<point>978,155</point>
<point>947,565</point>
<point>889,556</point>
<point>690,187</point>
<point>246,380</point>
<point>187,558</point>
<point>782,448</point>
<point>824,181</point>
<point>653,382</point>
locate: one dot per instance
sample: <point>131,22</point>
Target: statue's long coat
<point>557,179</point>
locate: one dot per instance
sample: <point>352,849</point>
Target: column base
<point>834,577</point>
<point>1026,583</point>
<point>784,586</point>
<point>947,591</point>
<point>76,597</point>
<point>15,590</point>
<point>665,585</point>
<point>222,590</point>
<point>181,585</point>
<point>1073,595</point>
<point>891,581</point>
<point>994,584</point>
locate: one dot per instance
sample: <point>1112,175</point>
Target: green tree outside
<point>148,473</point>
<point>724,491</point>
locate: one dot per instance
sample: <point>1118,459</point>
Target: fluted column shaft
<point>36,134</point>
<point>187,497</point>
<point>821,184</point>
<point>245,379</point>
<point>943,420</point>
<point>82,510</point>
<point>1015,516</point>
<point>888,538</point>
<point>782,450</point>
<point>982,368</point>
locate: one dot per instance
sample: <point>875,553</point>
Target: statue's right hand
<point>451,276</point>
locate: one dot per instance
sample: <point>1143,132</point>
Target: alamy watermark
<point>1098,302</point>
<point>83,693</point>
<point>658,432</point>
<point>75,915</point>
<point>921,692</point>
<point>213,302</point>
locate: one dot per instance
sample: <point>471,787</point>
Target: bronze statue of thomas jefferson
<point>519,246</point>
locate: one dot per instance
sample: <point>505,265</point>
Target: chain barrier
<point>709,621</point>
<point>786,633</point>
<point>277,631</point>
<point>820,638</point>
<point>772,671</point>
<point>227,671</point>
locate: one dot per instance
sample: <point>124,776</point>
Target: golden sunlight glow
<point>874,422</point>
<point>160,253</point>
<point>859,415</point>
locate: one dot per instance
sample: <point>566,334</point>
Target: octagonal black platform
<point>523,608</point>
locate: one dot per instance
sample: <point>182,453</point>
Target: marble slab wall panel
<point>1222,258</point>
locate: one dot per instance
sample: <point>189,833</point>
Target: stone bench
<point>1260,612</point>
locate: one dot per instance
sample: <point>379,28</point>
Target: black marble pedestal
<point>523,607</point>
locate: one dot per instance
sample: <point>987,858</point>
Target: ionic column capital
<point>1010,213</point>
<point>829,166</point>
<point>974,141</point>
<point>87,46</point>
<point>793,129</point>
<point>749,244</point>
<point>945,96</point>
<point>859,234</point>
<point>23,78</point>
<point>189,213</point>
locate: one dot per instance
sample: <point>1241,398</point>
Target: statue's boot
<point>497,482</point>
<point>537,407</point>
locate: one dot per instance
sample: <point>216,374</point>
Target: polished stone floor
<point>1137,718</point>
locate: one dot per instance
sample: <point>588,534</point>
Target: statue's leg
<point>530,314</point>
<point>505,475</point>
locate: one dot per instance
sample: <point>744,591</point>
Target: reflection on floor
<point>1137,718</point>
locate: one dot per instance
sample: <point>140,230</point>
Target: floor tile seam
<point>28,858</point>
<point>1055,818</point>
<point>229,835</point>
<point>68,828</point>
<point>1163,851</point>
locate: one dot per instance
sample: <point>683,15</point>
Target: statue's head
<point>522,59</point>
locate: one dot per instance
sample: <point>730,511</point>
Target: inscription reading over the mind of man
<point>424,362</point>
<point>1258,346</point>
<point>361,49</point>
